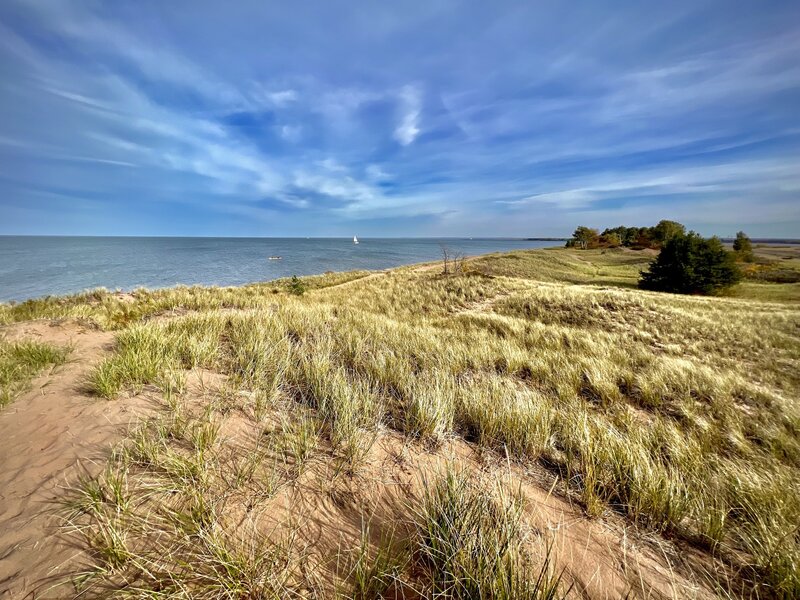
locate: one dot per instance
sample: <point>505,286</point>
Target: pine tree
<point>691,264</point>
<point>743,247</point>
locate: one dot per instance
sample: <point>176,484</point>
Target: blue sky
<point>397,118</point>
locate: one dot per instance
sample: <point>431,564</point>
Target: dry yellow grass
<point>679,413</point>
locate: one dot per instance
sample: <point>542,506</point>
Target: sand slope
<point>48,436</point>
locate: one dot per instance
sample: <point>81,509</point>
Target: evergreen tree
<point>743,247</point>
<point>296,286</point>
<point>691,264</point>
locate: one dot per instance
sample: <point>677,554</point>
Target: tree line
<point>687,262</point>
<point>638,238</point>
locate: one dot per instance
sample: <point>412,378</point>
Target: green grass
<point>614,267</point>
<point>767,292</point>
<point>678,413</point>
<point>20,361</point>
<point>470,544</point>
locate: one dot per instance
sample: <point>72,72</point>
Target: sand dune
<point>56,433</point>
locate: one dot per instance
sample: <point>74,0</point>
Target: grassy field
<point>678,415</point>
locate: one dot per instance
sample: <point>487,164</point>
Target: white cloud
<point>376,173</point>
<point>332,165</point>
<point>754,176</point>
<point>157,61</point>
<point>738,73</point>
<point>574,198</point>
<point>280,98</point>
<point>553,138</point>
<point>408,129</point>
<point>344,187</point>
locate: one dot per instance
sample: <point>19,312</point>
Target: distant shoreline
<point>791,242</point>
<point>771,241</point>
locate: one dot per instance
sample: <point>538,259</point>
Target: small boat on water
<point>275,258</point>
<point>355,240</point>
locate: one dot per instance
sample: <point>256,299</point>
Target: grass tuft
<point>20,361</point>
<point>470,543</point>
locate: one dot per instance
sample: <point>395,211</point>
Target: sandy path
<point>48,436</point>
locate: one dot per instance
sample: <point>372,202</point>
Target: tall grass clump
<point>497,413</point>
<point>471,543</point>
<point>21,360</point>
<point>258,352</point>
<point>145,352</point>
<point>767,512</point>
<point>430,406</point>
<point>377,571</point>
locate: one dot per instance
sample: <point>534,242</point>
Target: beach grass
<point>678,414</point>
<point>186,509</point>
<point>21,360</point>
<point>470,543</point>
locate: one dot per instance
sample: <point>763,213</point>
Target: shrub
<point>691,264</point>
<point>296,286</point>
<point>610,240</point>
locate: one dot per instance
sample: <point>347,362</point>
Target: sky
<point>429,118</point>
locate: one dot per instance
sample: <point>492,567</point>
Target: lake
<point>33,266</point>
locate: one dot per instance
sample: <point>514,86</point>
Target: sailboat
<point>355,240</point>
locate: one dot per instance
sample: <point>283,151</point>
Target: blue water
<point>39,266</point>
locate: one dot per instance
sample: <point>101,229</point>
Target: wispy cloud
<point>736,177</point>
<point>408,129</point>
<point>280,98</point>
<point>291,133</point>
<point>376,173</point>
<point>506,120</point>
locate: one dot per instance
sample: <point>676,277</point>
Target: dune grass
<point>620,268</point>
<point>156,521</point>
<point>115,310</point>
<point>183,509</point>
<point>470,543</point>
<point>678,413</point>
<point>22,360</point>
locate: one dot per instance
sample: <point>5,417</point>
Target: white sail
<point>355,240</point>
